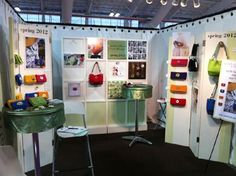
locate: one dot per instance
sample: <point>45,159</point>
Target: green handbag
<point>214,65</point>
<point>37,101</point>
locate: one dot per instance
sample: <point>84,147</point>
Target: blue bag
<point>178,75</point>
<point>31,95</point>
<point>211,101</point>
<point>18,79</point>
<point>19,105</point>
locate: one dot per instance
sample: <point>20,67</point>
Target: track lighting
<point>130,1</point>
<point>149,1</point>
<point>196,3</point>
<point>183,3</point>
<point>163,2</point>
<point>175,2</point>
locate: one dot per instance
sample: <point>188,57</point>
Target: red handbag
<point>179,62</point>
<point>177,102</point>
<point>41,78</point>
<point>96,79</point>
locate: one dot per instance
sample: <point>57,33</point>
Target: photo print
<point>35,52</point>
<point>137,70</point>
<point>137,50</point>
<point>230,101</point>
<point>73,60</point>
<point>73,89</point>
<point>181,44</point>
<point>95,48</point>
<point>117,49</point>
<point>115,89</point>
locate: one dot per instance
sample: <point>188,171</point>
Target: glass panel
<point>116,112</point>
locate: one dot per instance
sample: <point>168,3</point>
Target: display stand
<point>35,122</point>
<point>137,92</point>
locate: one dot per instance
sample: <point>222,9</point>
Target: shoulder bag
<point>96,79</point>
<point>211,101</point>
<point>193,64</point>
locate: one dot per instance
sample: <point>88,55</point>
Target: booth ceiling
<point>149,15</point>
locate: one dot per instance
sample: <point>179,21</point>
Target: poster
<point>115,89</point>
<point>35,52</point>
<point>73,60</point>
<point>181,44</point>
<point>117,49</point>
<point>225,107</point>
<point>137,50</point>
<point>137,70</point>
<point>73,89</point>
<point>117,70</point>
<point>95,48</point>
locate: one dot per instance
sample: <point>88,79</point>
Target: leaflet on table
<point>225,107</point>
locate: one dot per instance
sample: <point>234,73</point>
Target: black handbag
<point>193,64</point>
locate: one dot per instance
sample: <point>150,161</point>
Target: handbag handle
<point>213,94</point>
<point>220,45</point>
<point>96,63</point>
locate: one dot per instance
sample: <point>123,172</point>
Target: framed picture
<point>95,48</point>
<point>35,52</point>
<point>137,70</point>
<point>117,49</point>
<point>181,44</point>
<point>117,70</point>
<point>137,50</point>
<point>73,89</point>
<point>73,60</point>
<point>115,89</point>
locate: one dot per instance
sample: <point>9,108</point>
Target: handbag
<point>41,78</point>
<point>19,96</point>
<point>43,94</point>
<point>30,95</point>
<point>211,101</point>
<point>29,79</point>
<point>193,64</point>
<point>96,79</point>
<point>18,59</point>
<point>178,102</point>
<point>18,79</point>
<point>179,62</point>
<point>19,105</point>
<point>178,75</point>
<point>178,88</point>
<point>214,65</point>
<point>37,101</point>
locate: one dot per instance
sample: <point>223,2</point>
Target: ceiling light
<point>117,14</point>
<point>130,1</point>
<point>149,1</point>
<point>196,3</point>
<point>111,14</point>
<point>163,2</point>
<point>17,9</point>
<point>183,3</point>
<point>175,2</point>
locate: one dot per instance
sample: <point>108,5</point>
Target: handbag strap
<point>194,50</point>
<point>220,45</point>
<point>96,64</point>
<point>213,94</point>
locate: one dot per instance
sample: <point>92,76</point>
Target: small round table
<point>136,92</point>
<point>34,121</point>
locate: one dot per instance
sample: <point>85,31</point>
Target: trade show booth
<point>90,64</point>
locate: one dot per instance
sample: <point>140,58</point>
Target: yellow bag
<point>30,79</point>
<point>178,89</point>
<point>43,94</point>
<point>19,96</point>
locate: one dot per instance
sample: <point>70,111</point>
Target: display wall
<point>203,127</point>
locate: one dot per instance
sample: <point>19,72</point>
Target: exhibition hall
<point>117,88</point>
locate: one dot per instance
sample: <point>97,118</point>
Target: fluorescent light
<point>17,9</point>
<point>175,2</point>
<point>111,14</point>
<point>149,1</point>
<point>196,3</point>
<point>183,3</point>
<point>163,2</point>
<point>117,14</point>
<point>130,0</point>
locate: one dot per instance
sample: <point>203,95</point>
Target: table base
<point>136,139</point>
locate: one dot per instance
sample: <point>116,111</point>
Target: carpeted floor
<point>113,157</point>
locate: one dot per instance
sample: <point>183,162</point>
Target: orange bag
<point>19,96</point>
<point>43,94</point>
<point>178,88</point>
<point>29,79</point>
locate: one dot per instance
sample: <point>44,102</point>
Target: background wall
<point>202,126</point>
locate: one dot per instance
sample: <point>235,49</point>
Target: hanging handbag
<point>96,79</point>
<point>41,78</point>
<point>211,101</point>
<point>37,101</point>
<point>18,79</point>
<point>193,64</point>
<point>18,59</point>
<point>214,65</point>
<point>43,94</point>
<point>178,102</point>
<point>178,89</point>
<point>178,75</point>
<point>179,62</point>
<point>29,79</point>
